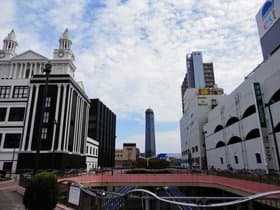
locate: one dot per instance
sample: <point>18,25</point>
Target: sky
<point>131,53</point>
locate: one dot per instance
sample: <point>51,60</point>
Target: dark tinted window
<point>236,159</point>
<point>5,91</point>
<point>258,158</point>
<point>12,140</point>
<point>21,92</point>
<point>3,114</point>
<point>16,114</point>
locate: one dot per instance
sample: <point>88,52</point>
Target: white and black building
<point>92,154</point>
<point>65,120</point>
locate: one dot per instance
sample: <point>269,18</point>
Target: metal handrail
<point>113,195</point>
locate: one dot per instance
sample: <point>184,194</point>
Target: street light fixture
<point>47,70</point>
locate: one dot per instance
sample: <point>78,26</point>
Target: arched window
<point>218,128</point>
<point>234,140</point>
<point>231,121</point>
<point>249,111</point>
<point>275,98</point>
<point>220,144</point>
<point>277,128</point>
<point>255,133</point>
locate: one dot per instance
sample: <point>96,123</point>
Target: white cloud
<point>132,56</point>
<point>8,11</point>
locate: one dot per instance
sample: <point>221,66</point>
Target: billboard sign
<point>267,16</point>
<point>203,91</point>
<point>259,103</point>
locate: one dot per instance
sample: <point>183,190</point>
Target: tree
<point>156,163</point>
<point>42,192</point>
<point>140,163</point>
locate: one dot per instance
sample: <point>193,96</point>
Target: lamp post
<point>273,133</point>
<point>47,70</point>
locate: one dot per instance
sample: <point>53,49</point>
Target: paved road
<point>10,200</point>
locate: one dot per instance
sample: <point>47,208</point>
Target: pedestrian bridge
<point>236,186</point>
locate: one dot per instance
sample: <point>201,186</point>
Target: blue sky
<point>131,53</point>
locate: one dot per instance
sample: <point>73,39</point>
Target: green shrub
<point>42,192</point>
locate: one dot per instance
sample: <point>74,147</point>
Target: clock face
<point>60,54</point>
<point>2,55</point>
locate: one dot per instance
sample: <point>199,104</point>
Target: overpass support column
<point>157,203</point>
<point>250,205</point>
<point>147,203</point>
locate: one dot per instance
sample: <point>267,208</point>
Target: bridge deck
<point>240,187</point>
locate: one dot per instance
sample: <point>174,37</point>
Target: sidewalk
<point>11,197</point>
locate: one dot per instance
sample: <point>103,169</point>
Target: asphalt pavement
<point>10,200</point>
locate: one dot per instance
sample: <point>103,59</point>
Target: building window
<point>258,158</point>
<point>27,73</point>
<point>46,117</point>
<point>3,114</point>
<point>196,148</point>
<point>5,91</point>
<point>48,102</point>
<point>236,159</point>
<point>7,166</point>
<point>222,160</point>
<point>21,92</point>
<point>16,114</point>
<point>0,138</point>
<point>12,140</point>
<point>87,149</point>
<point>44,133</point>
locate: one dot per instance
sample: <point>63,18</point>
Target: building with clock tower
<point>65,119</point>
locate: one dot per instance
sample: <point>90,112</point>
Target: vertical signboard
<point>267,16</point>
<point>263,125</point>
<point>74,195</point>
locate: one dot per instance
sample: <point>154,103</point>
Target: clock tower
<point>64,51</point>
<point>63,57</point>
<point>9,46</point>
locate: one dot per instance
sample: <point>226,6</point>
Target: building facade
<point>64,132</point>
<point>198,75</point>
<point>92,154</point>
<point>243,131</point>
<point>195,70</point>
<point>102,128</point>
<point>209,77</point>
<point>125,157</point>
<point>197,103</point>
<point>268,21</point>
<point>150,142</point>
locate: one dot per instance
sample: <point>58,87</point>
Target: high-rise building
<point>197,103</point>
<point>209,75</point>
<point>64,121</point>
<point>102,128</point>
<point>184,87</point>
<point>195,70</point>
<point>198,75</point>
<point>150,144</point>
<point>268,22</point>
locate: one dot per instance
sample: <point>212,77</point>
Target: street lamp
<point>47,70</point>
